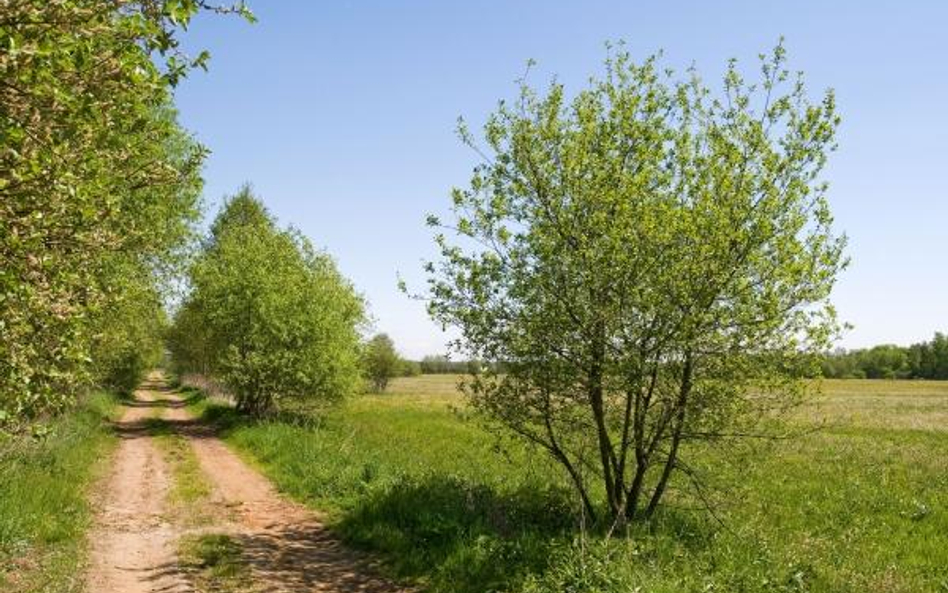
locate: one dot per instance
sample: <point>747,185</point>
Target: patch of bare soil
<point>132,545</point>
<point>285,545</point>
<point>288,549</point>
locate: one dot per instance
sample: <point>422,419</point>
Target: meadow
<point>858,501</point>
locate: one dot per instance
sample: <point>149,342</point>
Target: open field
<point>859,505</point>
<point>901,405</point>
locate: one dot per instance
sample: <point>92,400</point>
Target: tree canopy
<point>381,361</point>
<point>268,316</point>
<point>650,262</point>
<point>99,190</point>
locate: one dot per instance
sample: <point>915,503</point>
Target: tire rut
<point>132,543</point>
<point>287,548</point>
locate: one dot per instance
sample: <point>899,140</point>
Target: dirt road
<point>136,534</point>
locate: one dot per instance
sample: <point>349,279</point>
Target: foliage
<point>44,506</point>
<point>924,360</point>
<point>435,364</point>
<point>268,316</point>
<point>98,189</point>
<point>445,509</point>
<point>409,368</point>
<point>650,263</point>
<point>381,361</point>
<point>129,337</point>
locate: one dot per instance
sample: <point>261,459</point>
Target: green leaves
<point>640,258</point>
<point>267,315</point>
<point>380,361</point>
<point>99,191</point>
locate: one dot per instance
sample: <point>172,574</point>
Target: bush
<point>409,368</point>
<point>380,361</point>
<point>269,317</point>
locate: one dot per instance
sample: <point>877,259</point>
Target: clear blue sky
<point>342,115</point>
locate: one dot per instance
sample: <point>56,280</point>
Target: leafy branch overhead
<point>99,191</point>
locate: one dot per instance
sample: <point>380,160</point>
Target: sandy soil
<point>284,543</point>
<point>132,545</point>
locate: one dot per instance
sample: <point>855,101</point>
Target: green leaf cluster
<point>268,316</point>
<point>99,191</point>
<point>380,361</point>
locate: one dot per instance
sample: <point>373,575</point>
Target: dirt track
<point>134,541</point>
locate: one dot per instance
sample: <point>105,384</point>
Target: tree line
<point>99,194</point>
<point>924,360</point>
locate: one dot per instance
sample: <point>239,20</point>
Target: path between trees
<point>137,531</point>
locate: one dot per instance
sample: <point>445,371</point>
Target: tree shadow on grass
<point>452,534</point>
<point>460,536</point>
<point>225,417</point>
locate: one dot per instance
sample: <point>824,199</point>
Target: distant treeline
<point>436,364</point>
<point>442,365</point>
<point>925,360</point>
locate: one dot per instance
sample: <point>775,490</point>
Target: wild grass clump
<point>44,510</point>
<point>190,487</point>
<point>214,563</point>
<point>460,534</point>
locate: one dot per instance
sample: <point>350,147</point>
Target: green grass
<point>44,511</point>
<point>861,505</point>
<point>214,562</point>
<point>190,488</point>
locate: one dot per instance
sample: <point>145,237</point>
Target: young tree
<point>268,315</point>
<point>381,361</point>
<point>650,263</point>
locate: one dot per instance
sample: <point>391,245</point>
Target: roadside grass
<point>44,511</point>
<point>214,563</point>
<point>859,505</point>
<point>190,488</point>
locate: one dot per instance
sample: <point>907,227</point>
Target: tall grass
<point>44,510</point>
<point>861,505</point>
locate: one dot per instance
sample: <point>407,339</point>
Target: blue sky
<point>342,115</point>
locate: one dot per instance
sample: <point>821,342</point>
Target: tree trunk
<point>677,427</point>
<point>606,453</point>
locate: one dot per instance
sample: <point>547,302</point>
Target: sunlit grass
<point>858,504</point>
<point>44,507</point>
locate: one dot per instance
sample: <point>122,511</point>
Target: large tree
<point>650,261</point>
<point>268,316</point>
<point>99,186</point>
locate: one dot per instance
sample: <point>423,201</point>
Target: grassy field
<point>859,505</point>
<point>44,510</point>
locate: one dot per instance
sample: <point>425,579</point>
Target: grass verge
<point>859,506</point>
<point>44,511</point>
